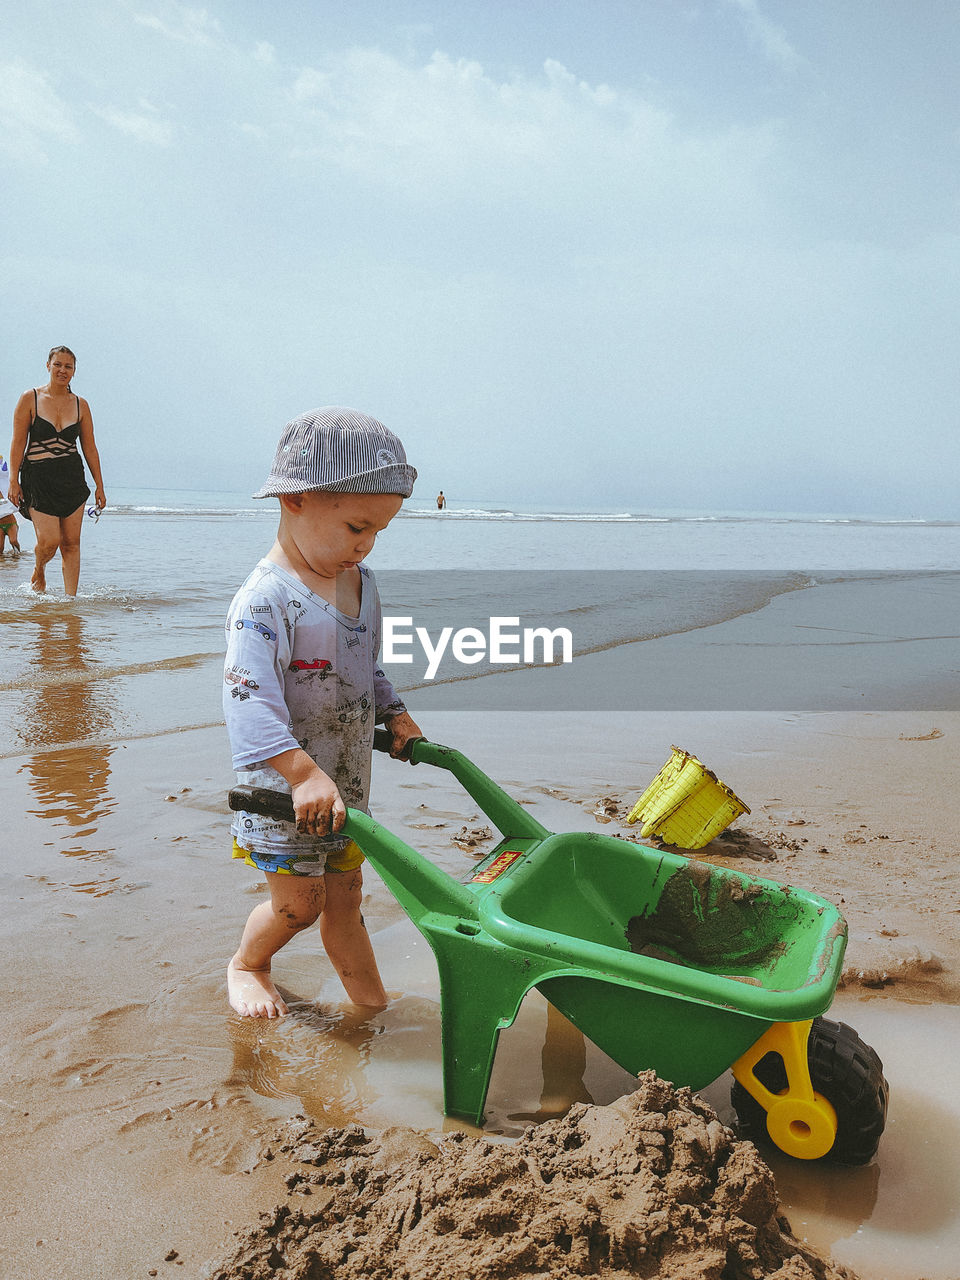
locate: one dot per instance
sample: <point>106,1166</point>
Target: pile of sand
<point>652,1185</point>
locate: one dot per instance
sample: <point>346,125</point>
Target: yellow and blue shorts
<point>297,864</point>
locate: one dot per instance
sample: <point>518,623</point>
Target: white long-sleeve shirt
<point>299,673</point>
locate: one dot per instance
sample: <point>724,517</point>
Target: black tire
<point>847,1072</point>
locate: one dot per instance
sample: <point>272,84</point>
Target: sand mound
<point>653,1185</point>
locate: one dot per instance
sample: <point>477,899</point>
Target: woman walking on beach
<point>47,481</point>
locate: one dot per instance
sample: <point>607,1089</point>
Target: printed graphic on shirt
<point>351,791</point>
<point>240,675</point>
<point>355,709</point>
<point>314,668</point>
<point>261,627</point>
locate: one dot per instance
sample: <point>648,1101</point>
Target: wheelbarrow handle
<point>383,741</point>
<point>279,805</point>
<point>508,816</point>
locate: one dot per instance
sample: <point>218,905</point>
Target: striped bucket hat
<point>340,451</point>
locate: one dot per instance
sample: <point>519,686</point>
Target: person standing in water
<point>441,501</point>
<point>302,689</point>
<point>8,513</point>
<point>47,480</point>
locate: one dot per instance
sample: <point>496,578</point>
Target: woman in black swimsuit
<point>47,481</point>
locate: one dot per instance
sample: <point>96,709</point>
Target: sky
<point>629,254</point>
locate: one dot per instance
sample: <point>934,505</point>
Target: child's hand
<point>317,804</point>
<point>404,730</point>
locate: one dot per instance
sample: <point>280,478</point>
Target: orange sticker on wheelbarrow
<point>497,866</point>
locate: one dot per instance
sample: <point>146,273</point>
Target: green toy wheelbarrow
<point>662,961</point>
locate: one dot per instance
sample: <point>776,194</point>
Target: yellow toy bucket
<point>686,804</point>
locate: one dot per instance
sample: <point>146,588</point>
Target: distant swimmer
<point>441,501</point>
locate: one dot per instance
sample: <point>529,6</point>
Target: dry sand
<point>149,1125</point>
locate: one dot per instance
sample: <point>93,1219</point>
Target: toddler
<point>302,692</point>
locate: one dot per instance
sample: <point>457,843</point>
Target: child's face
<point>334,531</point>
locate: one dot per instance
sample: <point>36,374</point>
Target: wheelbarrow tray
<point>681,965</point>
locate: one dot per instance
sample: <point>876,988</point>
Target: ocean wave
<point>40,678</point>
<point>547,517</point>
<point>180,512</point>
<point>92,599</point>
<point>109,742</point>
<point>498,515</point>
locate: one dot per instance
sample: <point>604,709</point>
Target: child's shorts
<point>294,864</point>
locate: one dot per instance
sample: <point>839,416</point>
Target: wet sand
<point>145,1116</point>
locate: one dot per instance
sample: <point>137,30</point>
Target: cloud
<point>254,131</point>
<point>771,38</point>
<point>447,131</point>
<point>183,24</point>
<point>145,125</point>
<point>32,114</point>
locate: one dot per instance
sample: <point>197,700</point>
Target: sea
<point>143,640</point>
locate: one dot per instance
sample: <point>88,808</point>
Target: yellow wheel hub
<point>801,1122</point>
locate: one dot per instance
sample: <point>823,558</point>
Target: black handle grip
<point>269,804</point>
<point>383,740</point>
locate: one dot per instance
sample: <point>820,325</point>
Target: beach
<point>148,1120</point>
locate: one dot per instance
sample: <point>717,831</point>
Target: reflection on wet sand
<point>63,707</point>
<point>563,1061</point>
<point>315,1054</point>
<point>324,1055</point>
<point>840,1197</point>
<point>910,1190</point>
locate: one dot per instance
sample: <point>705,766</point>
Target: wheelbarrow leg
<point>482,982</point>
<point>481,990</point>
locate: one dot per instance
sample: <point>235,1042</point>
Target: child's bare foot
<point>252,992</point>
